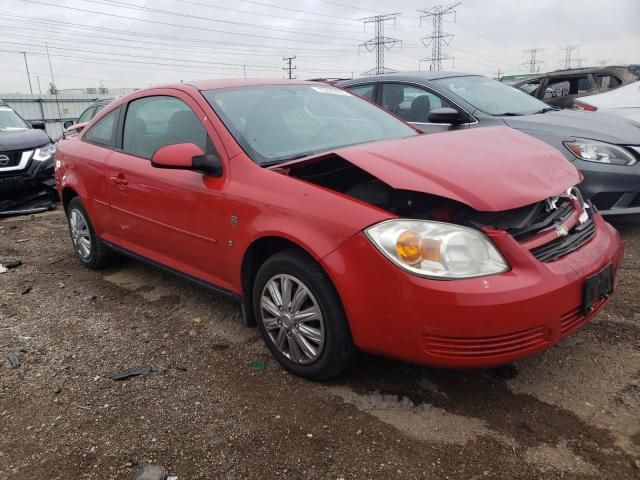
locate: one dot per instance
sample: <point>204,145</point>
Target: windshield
<point>275,123</point>
<point>491,96</point>
<point>9,120</point>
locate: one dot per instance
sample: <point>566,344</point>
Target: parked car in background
<point>562,87</point>
<point>605,148</point>
<point>91,111</point>
<point>26,163</point>
<point>623,101</point>
<point>338,226</point>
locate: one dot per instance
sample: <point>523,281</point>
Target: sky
<point>137,43</point>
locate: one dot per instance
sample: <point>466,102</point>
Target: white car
<point>623,101</point>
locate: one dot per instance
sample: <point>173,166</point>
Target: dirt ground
<point>207,410</point>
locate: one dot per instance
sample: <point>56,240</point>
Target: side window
<point>583,85</point>
<point>155,122</point>
<point>87,115</point>
<point>557,88</point>
<point>605,82</point>
<point>410,103</point>
<point>529,87</point>
<point>103,131</point>
<point>98,108</point>
<point>560,87</point>
<point>365,91</point>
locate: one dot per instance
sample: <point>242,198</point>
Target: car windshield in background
<point>492,97</point>
<point>9,120</point>
<point>275,123</point>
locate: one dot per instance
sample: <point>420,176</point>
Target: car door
<point>413,104</point>
<point>173,217</point>
<point>90,164</point>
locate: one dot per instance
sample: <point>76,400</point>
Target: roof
<point>577,71</point>
<point>214,84</point>
<point>410,76</point>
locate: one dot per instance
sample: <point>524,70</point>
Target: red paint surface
<point>181,218</point>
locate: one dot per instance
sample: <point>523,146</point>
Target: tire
<point>89,249</point>
<point>310,335</point>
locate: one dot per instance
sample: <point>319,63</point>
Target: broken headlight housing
<point>437,250</point>
<point>44,153</point>
<point>600,152</point>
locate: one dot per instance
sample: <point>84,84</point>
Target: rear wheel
<point>89,249</point>
<point>301,318</point>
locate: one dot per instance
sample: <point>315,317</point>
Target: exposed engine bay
<point>523,223</point>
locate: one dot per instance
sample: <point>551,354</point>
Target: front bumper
<point>614,189</point>
<point>476,322</point>
<point>34,176</point>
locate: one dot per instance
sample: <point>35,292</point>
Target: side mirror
<point>39,124</point>
<point>447,115</point>
<point>67,124</point>
<point>187,156</point>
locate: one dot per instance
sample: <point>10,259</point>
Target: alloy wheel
<point>80,234</point>
<point>292,319</point>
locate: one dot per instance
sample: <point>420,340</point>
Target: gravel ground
<point>208,410</point>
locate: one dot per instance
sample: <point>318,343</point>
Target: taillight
<point>584,107</point>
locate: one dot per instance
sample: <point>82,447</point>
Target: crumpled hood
<point>22,139</point>
<point>489,169</point>
<point>571,123</point>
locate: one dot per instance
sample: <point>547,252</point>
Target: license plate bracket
<point>597,286</point>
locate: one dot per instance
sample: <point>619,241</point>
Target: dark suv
<point>562,87</point>
<point>26,159</point>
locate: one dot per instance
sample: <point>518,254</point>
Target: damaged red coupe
<point>339,227</point>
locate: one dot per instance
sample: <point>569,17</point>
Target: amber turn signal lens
<point>408,247</point>
<point>430,250</point>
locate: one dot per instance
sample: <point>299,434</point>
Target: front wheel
<point>89,249</point>
<point>301,318</point>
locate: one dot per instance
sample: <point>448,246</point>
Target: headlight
<point>437,250</point>
<point>600,152</point>
<point>44,153</point>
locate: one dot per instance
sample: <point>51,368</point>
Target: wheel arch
<point>255,255</point>
<point>68,193</point>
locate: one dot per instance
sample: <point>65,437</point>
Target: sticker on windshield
<point>331,90</point>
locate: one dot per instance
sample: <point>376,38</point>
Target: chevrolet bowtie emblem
<point>562,231</point>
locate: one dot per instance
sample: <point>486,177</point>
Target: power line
<point>534,61</point>
<point>379,43</point>
<point>288,67</point>
<point>209,19</point>
<point>438,40</point>
<point>157,22</point>
<point>26,64</point>
<point>261,14</point>
<point>308,12</point>
<point>37,34</point>
<point>53,81</point>
<point>149,57</point>
<point>188,40</point>
<point>348,6</point>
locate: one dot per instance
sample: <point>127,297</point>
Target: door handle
<point>119,180</point>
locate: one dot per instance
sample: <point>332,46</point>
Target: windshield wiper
<point>546,109</point>
<point>508,114</point>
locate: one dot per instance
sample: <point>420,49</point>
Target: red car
<point>338,227</point>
